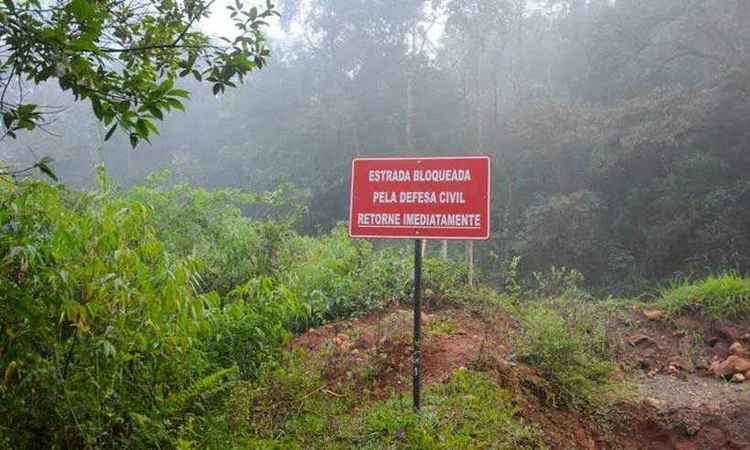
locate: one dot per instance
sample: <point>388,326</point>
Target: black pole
<point>416,351</point>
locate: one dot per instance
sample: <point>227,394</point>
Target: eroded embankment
<point>670,400</point>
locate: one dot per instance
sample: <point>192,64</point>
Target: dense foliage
<point>617,129</point>
<point>119,331</point>
<point>99,323</point>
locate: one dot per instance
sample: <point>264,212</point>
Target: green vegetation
<point>126,316</point>
<point>162,314</point>
<point>101,328</point>
<point>292,408</point>
<point>569,352</point>
<point>158,316</point>
<point>123,58</point>
<point>119,331</point>
<point>340,278</point>
<point>717,296</point>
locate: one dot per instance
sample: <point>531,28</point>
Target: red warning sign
<point>420,198</point>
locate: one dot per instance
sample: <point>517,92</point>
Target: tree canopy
<point>123,57</point>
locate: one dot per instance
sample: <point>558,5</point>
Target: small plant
<point>250,330</point>
<point>557,282</point>
<point>392,333</point>
<point>442,276</point>
<point>509,276</point>
<point>443,327</point>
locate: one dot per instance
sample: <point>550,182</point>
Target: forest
<point>175,268</point>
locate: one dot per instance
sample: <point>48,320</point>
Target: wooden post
<point>444,250</point>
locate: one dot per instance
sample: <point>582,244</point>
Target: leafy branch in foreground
<point>43,165</point>
<point>123,57</point>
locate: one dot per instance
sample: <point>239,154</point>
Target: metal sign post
<point>417,350</point>
<point>420,198</point>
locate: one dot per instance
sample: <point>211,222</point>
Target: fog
<point>618,130</point>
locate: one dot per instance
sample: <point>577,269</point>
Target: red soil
<point>673,409</point>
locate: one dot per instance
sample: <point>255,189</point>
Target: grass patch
<point>468,412</point>
<point>443,326</point>
<point>724,296</point>
<point>292,408</point>
<point>569,346</point>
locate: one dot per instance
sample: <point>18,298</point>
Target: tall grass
<point>723,296</point>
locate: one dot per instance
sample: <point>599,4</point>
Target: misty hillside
<point>175,181</point>
<point>617,131</point>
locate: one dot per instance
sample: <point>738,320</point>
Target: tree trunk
<point>410,144</point>
<point>470,261</point>
<point>478,100</point>
<point>743,21</point>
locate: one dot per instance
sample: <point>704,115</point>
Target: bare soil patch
<point>684,403</point>
<point>375,351</point>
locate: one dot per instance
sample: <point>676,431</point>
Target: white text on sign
<point>450,198</point>
<point>419,175</point>
<point>425,197</point>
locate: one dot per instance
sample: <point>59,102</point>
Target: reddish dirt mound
<point>375,351</point>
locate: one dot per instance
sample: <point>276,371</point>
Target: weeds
<point>569,356</point>
<point>470,412</point>
<point>443,327</point>
<point>717,296</point>
<point>293,409</point>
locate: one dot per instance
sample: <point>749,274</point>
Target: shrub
<point>568,354</point>
<point>441,277</point>
<point>509,276</point>
<point>210,225</point>
<point>339,277</point>
<point>558,282</point>
<point>251,329</point>
<point>717,296</point>
<point>99,323</point>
